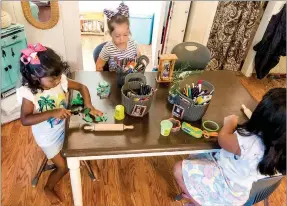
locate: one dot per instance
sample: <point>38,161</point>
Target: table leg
<point>75,174</point>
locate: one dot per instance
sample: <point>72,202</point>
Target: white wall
<point>200,21</point>
<point>64,37</point>
<point>157,30</point>
<point>273,7</point>
<point>97,6</point>
<point>135,7</point>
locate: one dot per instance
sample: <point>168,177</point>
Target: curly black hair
<point>51,65</point>
<point>268,121</point>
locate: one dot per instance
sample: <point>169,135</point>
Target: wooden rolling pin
<point>108,127</point>
<point>246,111</point>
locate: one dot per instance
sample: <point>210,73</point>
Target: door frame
<point>158,35</point>
<point>177,25</point>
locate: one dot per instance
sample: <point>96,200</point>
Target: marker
<point>189,91</point>
<point>199,88</point>
<point>201,93</point>
<point>185,92</point>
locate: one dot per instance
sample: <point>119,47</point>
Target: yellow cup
<point>165,127</point>
<point>119,112</point>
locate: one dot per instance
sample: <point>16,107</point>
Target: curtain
<point>231,32</point>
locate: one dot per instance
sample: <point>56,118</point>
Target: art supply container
<point>121,75</point>
<point>133,81</point>
<point>193,112</point>
<point>165,127</point>
<point>119,112</point>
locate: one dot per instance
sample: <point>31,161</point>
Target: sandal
<point>178,197</point>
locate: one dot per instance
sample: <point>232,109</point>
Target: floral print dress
<point>224,179</point>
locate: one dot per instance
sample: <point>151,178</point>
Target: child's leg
<point>177,171</point>
<point>55,177</point>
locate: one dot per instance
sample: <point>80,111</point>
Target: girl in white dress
<point>44,106</point>
<point>254,150</point>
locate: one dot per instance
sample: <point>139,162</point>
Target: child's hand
<point>94,111</point>
<point>61,113</point>
<point>232,120</point>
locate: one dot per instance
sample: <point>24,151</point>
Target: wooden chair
<point>46,167</point>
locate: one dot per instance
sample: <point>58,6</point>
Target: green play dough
<point>78,100</point>
<point>87,118</point>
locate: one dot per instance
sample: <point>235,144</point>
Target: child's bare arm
<point>139,52</point>
<point>85,94</point>
<point>100,64</point>
<point>227,139</point>
<point>28,118</point>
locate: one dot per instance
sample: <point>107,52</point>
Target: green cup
<point>165,127</point>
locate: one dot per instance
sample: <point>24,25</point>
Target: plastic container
<point>141,27</point>
<point>194,112</point>
<point>143,61</point>
<point>134,81</point>
<point>165,127</point>
<point>122,75</point>
<point>119,112</point>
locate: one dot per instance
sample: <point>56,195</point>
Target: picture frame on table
<point>138,111</point>
<point>177,111</point>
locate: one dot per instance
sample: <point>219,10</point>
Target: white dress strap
<point>64,82</point>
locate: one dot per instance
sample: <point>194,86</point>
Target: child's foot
<point>52,196</point>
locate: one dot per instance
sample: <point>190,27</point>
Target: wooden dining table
<point>145,139</point>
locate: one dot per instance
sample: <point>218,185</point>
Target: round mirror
<point>41,14</point>
<point>41,10</point>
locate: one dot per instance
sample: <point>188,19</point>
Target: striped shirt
<point>110,51</point>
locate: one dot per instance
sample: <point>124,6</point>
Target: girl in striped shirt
<point>121,46</point>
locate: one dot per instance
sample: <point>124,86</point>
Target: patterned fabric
<point>122,10</point>
<point>47,133</point>
<point>208,186</point>
<point>111,53</point>
<point>231,33</point>
<point>30,54</point>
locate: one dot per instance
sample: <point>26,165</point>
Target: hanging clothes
<point>231,33</point>
<point>272,45</point>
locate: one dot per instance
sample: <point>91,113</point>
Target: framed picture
<point>138,111</point>
<point>177,111</point>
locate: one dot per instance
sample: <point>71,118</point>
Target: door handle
<point>14,37</point>
<point>9,66</point>
<point>3,53</point>
<point>12,52</point>
<point>6,69</point>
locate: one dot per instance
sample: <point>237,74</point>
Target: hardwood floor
<point>122,182</point>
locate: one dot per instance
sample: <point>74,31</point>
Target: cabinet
<point>13,40</point>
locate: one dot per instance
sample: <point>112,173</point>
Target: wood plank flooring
<point>122,182</point>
